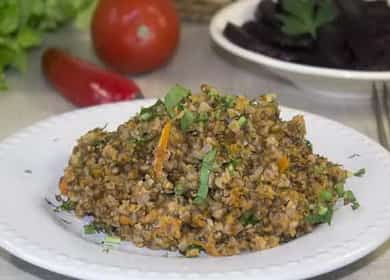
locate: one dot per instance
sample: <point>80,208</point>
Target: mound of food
<point>204,172</point>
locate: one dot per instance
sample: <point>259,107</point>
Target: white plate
<point>326,81</point>
<point>29,230</point>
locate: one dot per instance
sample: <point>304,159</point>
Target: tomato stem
<point>144,32</point>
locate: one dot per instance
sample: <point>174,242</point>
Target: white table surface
<point>197,61</point>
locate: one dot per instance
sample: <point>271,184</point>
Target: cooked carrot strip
<point>63,186</point>
<point>160,153</point>
<point>283,164</point>
<point>124,220</point>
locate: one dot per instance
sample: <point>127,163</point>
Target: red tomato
<point>134,36</point>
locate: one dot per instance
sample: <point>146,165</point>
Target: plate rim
<point>9,238</point>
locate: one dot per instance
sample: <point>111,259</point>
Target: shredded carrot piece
<point>160,153</point>
<point>124,220</point>
<point>241,103</point>
<point>63,186</point>
<point>283,164</point>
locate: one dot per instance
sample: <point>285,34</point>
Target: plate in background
<point>327,82</point>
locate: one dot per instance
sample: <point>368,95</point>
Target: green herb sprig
<point>149,113</point>
<point>207,165</point>
<point>248,218</point>
<point>90,229</point>
<point>187,120</point>
<point>323,214</point>
<point>23,24</point>
<point>306,16</point>
<point>67,205</point>
<point>323,211</point>
<point>173,98</point>
<point>180,189</point>
<point>360,173</point>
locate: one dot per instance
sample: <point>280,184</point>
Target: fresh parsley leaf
<point>111,240</point>
<point>349,198</point>
<point>3,84</point>
<point>84,17</point>
<point>339,187</point>
<point>360,172</point>
<point>179,189</point>
<point>202,117</point>
<point>37,8</point>
<point>25,10</point>
<point>187,120</point>
<point>9,16</point>
<point>306,16</point>
<point>314,219</point>
<point>309,145</point>
<point>230,167</point>
<point>355,205</point>
<point>324,215</point>
<point>23,23</point>
<point>151,112</point>
<point>58,12</point>
<point>145,116</point>
<point>103,228</point>
<point>322,210</point>
<point>89,229</point>
<point>303,9</point>
<point>143,139</point>
<point>242,121</point>
<point>193,247</point>
<point>326,195</point>
<point>174,96</point>
<point>67,205</point>
<point>326,12</point>
<point>232,164</point>
<point>299,17</point>
<point>293,26</point>
<point>248,218</point>
<point>210,91</point>
<point>28,38</point>
<point>207,165</point>
<point>228,101</point>
<point>20,60</point>
<point>216,115</point>
<point>96,142</point>
<point>7,55</point>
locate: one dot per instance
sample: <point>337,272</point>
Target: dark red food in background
<point>135,36</point>
<point>83,83</point>
<point>358,39</point>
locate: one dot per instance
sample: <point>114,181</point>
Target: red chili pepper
<point>84,83</point>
